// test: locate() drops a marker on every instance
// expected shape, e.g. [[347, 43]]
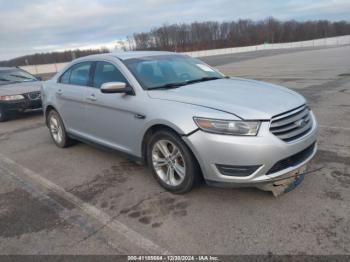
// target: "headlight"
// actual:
[[11, 98], [229, 127]]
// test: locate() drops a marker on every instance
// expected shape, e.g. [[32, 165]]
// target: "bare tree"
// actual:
[[53, 57], [211, 35], [206, 35]]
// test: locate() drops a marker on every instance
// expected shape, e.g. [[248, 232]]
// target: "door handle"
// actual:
[[92, 97], [139, 116]]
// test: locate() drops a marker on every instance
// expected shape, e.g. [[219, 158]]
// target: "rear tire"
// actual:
[[172, 163], [57, 130], [3, 115]]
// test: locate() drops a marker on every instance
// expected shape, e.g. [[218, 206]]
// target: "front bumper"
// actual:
[[263, 150], [24, 104]]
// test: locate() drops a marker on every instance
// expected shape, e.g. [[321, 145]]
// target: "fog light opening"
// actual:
[[237, 171]]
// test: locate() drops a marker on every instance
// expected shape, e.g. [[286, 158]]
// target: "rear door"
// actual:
[[70, 95], [112, 118]]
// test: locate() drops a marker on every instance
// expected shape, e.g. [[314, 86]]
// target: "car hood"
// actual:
[[247, 99], [20, 88]]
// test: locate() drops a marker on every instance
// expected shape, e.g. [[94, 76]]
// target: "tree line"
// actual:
[[212, 35], [52, 57], [204, 35]]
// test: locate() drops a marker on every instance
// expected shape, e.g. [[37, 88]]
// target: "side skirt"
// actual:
[[136, 159]]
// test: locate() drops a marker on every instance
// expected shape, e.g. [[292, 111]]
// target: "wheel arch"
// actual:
[[157, 127], [148, 134]]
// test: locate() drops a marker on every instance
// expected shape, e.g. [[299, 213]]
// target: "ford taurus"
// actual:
[[183, 118]]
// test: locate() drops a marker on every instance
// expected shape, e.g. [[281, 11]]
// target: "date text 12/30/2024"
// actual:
[[173, 258]]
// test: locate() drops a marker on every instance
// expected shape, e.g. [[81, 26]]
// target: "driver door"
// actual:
[[111, 117]]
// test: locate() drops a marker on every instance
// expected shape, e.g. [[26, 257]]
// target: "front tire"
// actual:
[[3, 115], [173, 164], [57, 130]]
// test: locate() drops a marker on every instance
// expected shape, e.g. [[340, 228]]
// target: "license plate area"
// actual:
[[292, 175], [287, 182]]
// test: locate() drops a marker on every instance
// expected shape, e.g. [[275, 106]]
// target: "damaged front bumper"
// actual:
[[285, 183], [262, 161]]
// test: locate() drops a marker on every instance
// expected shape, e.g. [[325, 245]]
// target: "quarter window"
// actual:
[[106, 72]]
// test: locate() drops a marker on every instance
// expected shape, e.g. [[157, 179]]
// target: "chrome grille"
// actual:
[[292, 124], [34, 95]]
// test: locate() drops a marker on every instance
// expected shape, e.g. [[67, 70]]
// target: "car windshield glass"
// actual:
[[15, 76], [170, 71]]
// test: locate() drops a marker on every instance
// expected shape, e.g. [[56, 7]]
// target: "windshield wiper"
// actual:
[[168, 86], [188, 82], [7, 81], [203, 79], [23, 77]]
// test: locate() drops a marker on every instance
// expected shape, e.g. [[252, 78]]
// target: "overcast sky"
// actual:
[[30, 26]]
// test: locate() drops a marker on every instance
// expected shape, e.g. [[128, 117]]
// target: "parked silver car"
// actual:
[[183, 118]]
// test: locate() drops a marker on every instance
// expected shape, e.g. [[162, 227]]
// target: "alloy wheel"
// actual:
[[56, 129], [168, 162]]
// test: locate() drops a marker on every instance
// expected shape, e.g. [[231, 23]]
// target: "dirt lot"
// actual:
[[84, 200]]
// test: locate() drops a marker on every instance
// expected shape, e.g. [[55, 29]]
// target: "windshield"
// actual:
[[15, 76], [167, 71]]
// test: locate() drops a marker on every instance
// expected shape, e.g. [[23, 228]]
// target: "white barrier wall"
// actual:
[[44, 69], [331, 41]]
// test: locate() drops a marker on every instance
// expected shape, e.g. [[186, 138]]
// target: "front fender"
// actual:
[[178, 117]]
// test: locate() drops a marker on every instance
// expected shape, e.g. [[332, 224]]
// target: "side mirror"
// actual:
[[39, 78], [115, 87]]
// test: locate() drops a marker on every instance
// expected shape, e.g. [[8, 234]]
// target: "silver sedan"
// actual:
[[183, 118]]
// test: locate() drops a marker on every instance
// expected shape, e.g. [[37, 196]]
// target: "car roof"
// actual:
[[130, 54]]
